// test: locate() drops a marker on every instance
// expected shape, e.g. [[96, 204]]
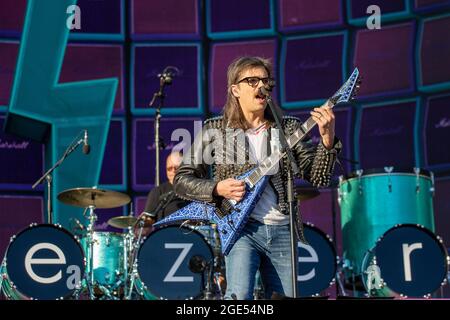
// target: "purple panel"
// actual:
[[88, 62], [104, 215], [223, 54], [22, 161], [437, 131], [238, 15], [359, 7], [385, 60], [8, 57], [434, 50], [296, 14], [310, 72], [144, 148], [151, 60], [100, 16], [164, 17], [12, 15], [113, 166], [441, 205], [318, 211], [17, 213], [386, 136], [343, 130]]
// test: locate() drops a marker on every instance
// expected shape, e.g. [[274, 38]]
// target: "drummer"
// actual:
[[162, 200]]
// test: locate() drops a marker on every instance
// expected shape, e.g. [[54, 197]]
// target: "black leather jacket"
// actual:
[[197, 177]]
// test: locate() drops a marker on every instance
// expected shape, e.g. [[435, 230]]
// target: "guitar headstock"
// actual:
[[348, 91]]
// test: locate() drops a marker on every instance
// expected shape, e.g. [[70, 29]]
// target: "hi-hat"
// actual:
[[98, 198], [306, 193]]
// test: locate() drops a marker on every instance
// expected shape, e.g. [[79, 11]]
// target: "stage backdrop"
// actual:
[[401, 119]]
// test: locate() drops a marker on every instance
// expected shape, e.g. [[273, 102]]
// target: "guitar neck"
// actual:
[[267, 164]]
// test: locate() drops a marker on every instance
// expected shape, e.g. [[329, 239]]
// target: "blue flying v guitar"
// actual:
[[231, 224]]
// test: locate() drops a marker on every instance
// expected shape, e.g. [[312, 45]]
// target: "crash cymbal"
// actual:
[[86, 197], [306, 193], [122, 222]]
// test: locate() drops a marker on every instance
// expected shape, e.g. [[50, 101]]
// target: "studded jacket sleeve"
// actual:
[[192, 181]]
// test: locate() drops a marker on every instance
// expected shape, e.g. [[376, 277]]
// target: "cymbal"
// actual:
[[86, 197], [123, 222], [306, 193]]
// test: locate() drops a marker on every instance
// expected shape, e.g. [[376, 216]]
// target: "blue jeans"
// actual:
[[263, 247]]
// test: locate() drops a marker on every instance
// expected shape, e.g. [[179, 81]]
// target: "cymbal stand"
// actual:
[[2, 275], [134, 272], [90, 254]]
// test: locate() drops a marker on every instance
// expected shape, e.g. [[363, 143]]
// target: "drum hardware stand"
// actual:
[[292, 170], [2, 276], [128, 252], [165, 78], [359, 173], [48, 178]]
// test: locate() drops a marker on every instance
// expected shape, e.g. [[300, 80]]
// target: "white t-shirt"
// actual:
[[266, 210]]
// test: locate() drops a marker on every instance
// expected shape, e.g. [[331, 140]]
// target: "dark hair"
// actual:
[[232, 112]]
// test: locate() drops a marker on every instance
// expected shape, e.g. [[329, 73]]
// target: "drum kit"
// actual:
[[389, 249]]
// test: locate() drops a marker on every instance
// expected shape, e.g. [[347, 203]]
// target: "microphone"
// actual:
[[78, 225], [197, 264], [86, 146]]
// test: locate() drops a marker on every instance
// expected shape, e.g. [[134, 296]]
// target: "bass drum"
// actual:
[[373, 201], [43, 262], [172, 262], [408, 260]]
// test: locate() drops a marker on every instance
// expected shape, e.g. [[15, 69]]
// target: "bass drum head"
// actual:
[[170, 263], [44, 262], [317, 262]]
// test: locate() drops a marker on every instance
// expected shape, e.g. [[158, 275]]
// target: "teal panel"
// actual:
[[67, 108]]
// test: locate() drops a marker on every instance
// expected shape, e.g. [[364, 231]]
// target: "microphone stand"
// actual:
[[291, 170], [47, 176], [164, 79]]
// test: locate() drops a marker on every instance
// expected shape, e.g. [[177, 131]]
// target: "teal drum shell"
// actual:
[[373, 202]]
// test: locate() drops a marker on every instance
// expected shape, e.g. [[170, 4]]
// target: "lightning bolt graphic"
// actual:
[[38, 102]]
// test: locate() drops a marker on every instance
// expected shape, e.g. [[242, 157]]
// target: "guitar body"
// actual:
[[230, 225], [233, 221]]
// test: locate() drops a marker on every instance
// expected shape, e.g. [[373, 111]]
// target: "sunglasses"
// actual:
[[254, 81]]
